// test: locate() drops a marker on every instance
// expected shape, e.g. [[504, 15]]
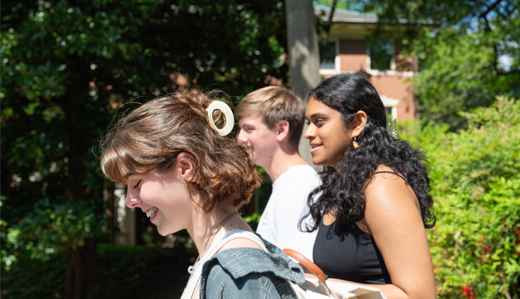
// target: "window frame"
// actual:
[[337, 67], [392, 60], [390, 103], [335, 55]]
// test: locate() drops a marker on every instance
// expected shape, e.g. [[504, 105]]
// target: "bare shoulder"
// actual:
[[393, 216], [389, 188], [240, 243], [390, 201]]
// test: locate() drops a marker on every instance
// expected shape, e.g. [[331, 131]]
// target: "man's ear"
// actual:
[[282, 130], [358, 123], [185, 164]]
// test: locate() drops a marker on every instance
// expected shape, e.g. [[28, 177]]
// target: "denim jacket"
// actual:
[[250, 273]]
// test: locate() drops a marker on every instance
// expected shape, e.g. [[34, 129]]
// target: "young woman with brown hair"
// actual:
[[184, 174]]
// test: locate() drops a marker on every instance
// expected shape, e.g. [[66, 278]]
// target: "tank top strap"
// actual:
[[194, 280], [231, 235], [391, 173]]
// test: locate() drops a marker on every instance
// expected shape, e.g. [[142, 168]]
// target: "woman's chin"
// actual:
[[323, 163], [316, 160], [168, 231], [164, 232]]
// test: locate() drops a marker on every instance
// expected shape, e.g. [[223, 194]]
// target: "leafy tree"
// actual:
[[475, 245], [468, 51], [67, 66]]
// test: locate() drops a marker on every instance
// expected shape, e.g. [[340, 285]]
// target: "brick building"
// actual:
[[349, 51]]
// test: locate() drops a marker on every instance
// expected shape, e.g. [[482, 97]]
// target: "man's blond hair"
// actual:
[[275, 103]]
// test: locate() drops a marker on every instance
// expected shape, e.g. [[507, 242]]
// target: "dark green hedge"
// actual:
[[123, 272]]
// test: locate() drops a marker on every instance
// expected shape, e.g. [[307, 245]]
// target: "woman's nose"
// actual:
[[132, 198], [310, 132]]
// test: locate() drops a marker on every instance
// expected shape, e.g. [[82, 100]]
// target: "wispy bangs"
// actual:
[[114, 164]]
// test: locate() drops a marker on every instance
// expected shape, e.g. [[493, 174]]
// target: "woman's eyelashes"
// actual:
[[317, 122], [137, 185]]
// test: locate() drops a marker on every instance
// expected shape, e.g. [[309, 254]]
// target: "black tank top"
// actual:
[[346, 252]]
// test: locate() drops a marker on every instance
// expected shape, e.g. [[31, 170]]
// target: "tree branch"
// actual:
[[488, 29], [332, 9], [326, 29], [490, 8], [513, 72]]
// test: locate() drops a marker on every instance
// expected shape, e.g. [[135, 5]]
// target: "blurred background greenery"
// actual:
[[69, 66]]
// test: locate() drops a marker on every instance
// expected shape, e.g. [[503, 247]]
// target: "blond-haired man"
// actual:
[[271, 123]]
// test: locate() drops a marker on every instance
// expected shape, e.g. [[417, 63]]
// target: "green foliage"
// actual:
[[68, 65], [123, 272], [341, 4], [253, 220], [35, 278], [54, 227], [461, 47], [7, 258], [457, 74], [134, 272], [474, 174]]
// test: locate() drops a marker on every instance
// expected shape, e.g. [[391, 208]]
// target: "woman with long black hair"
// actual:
[[373, 205]]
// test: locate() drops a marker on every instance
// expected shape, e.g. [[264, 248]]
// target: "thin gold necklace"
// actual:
[[215, 230]]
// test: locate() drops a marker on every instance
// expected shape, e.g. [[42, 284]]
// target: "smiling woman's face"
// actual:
[[163, 197], [327, 133]]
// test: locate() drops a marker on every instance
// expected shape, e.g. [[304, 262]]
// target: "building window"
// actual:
[[390, 107], [389, 116], [328, 56], [381, 55]]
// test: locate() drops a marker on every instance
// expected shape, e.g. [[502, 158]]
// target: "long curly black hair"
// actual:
[[343, 189]]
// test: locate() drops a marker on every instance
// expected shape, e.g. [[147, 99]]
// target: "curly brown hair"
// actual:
[[152, 136]]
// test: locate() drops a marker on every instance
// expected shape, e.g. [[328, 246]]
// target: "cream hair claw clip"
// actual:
[[228, 127]]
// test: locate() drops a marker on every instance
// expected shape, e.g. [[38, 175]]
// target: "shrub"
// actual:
[[124, 272], [474, 174], [34, 278]]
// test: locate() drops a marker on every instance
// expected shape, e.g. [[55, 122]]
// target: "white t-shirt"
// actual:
[[286, 206]]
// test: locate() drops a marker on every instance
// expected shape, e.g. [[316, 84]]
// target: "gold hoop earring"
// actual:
[[354, 142]]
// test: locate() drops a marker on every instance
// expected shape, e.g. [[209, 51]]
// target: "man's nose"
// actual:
[[242, 136]]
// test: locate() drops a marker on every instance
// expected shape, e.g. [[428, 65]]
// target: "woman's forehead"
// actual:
[[316, 108]]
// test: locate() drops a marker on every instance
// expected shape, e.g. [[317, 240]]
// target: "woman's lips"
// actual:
[[315, 147], [152, 213]]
